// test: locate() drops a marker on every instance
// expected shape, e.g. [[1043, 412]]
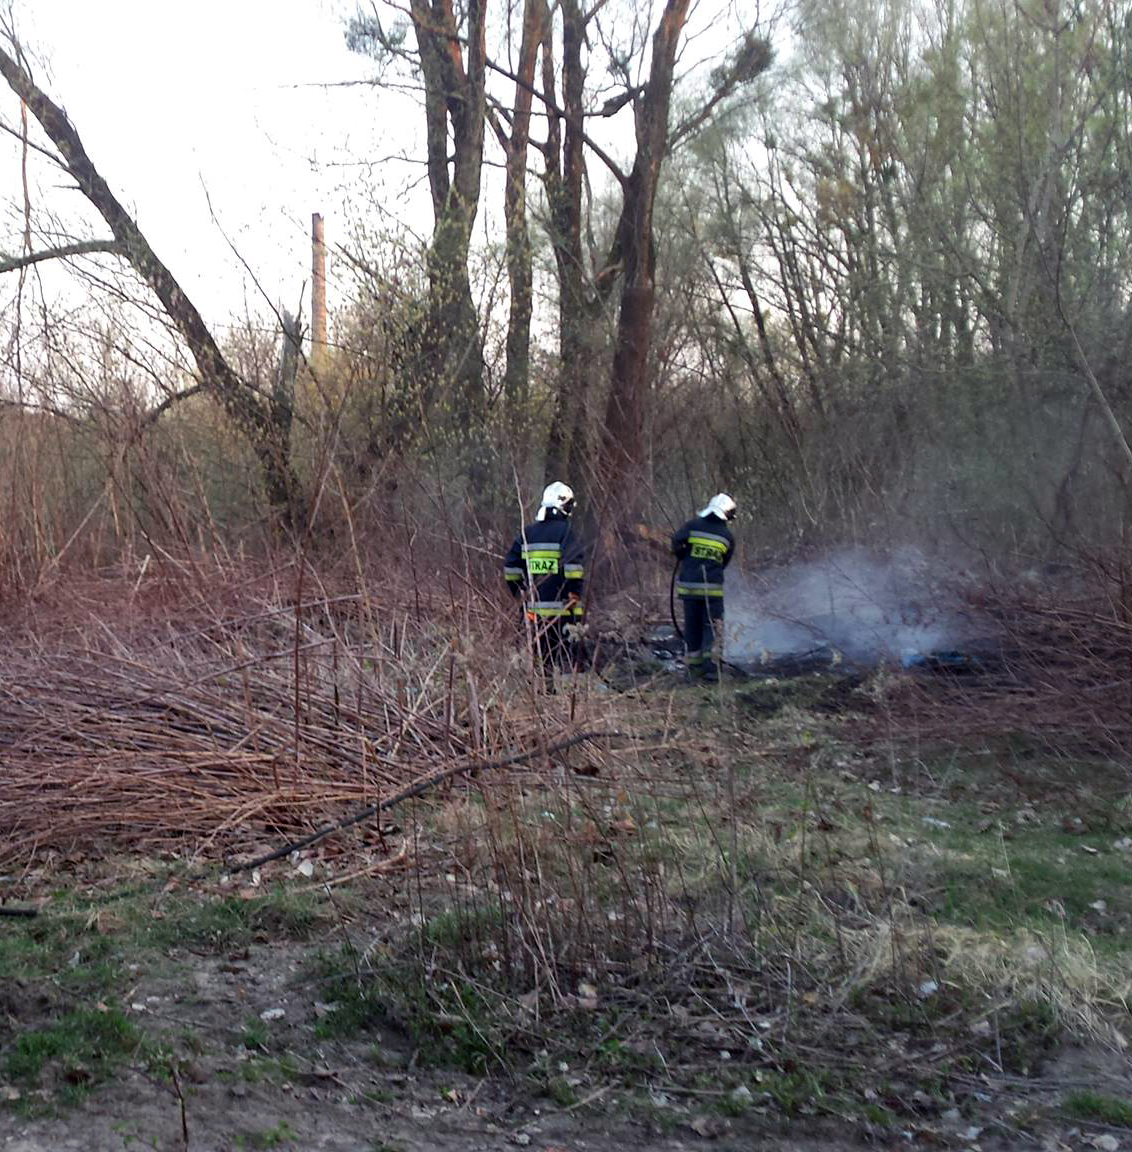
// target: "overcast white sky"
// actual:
[[171, 98]]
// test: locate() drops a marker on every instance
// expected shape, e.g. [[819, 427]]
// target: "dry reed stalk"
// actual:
[[158, 715]]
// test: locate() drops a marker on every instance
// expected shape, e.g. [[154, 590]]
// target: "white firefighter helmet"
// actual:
[[720, 505], [556, 496]]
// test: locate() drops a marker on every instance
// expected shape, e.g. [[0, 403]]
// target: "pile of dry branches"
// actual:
[[206, 722], [1060, 672]]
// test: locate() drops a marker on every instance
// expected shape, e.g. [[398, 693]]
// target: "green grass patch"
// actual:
[[456, 927], [255, 1035], [77, 1051], [225, 924], [561, 1091], [357, 1007], [57, 953], [1016, 768], [451, 1023], [1029, 1030], [59, 971], [1038, 878], [268, 1070], [274, 1137], [1098, 1107], [77, 946]]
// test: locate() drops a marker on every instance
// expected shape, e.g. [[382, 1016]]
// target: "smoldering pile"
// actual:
[[850, 608]]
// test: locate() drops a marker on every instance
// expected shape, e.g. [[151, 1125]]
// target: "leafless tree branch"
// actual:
[[80, 248]]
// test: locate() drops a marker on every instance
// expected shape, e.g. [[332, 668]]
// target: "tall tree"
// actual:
[[564, 176], [515, 144], [455, 106], [451, 58], [256, 419], [622, 452]]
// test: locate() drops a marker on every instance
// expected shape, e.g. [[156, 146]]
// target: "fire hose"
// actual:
[[672, 601]]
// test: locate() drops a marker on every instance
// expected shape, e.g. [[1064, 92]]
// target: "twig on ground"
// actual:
[[418, 789]]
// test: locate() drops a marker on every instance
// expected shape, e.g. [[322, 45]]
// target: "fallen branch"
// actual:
[[422, 785]]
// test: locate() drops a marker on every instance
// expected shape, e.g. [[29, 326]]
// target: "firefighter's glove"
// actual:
[[574, 633]]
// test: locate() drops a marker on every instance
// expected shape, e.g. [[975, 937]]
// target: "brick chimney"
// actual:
[[318, 292]]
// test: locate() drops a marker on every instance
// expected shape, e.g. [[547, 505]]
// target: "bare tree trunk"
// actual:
[[283, 393], [251, 417], [516, 378], [454, 93], [577, 307], [622, 458], [563, 177]]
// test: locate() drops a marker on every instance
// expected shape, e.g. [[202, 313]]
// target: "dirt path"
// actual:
[[260, 1079], [320, 1114]]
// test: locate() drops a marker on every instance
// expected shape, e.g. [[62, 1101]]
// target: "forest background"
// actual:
[[865, 266]]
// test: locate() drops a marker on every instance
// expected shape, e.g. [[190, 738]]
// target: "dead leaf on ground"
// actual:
[[707, 1126]]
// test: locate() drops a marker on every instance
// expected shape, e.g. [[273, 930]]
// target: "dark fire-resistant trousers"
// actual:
[[703, 636], [555, 648]]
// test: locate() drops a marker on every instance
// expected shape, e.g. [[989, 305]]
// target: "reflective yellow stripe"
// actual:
[[542, 561], [698, 590], [555, 608]]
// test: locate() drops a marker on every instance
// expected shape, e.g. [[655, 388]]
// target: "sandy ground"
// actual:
[[135, 1115], [339, 1096]]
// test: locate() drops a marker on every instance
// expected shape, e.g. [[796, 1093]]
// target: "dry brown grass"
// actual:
[[203, 705]]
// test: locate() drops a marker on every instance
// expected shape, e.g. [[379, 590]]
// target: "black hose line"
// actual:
[[672, 601]]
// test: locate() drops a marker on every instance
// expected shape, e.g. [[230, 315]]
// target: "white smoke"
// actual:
[[866, 606]]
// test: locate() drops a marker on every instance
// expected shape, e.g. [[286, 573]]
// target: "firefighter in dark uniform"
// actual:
[[546, 568], [704, 546]]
